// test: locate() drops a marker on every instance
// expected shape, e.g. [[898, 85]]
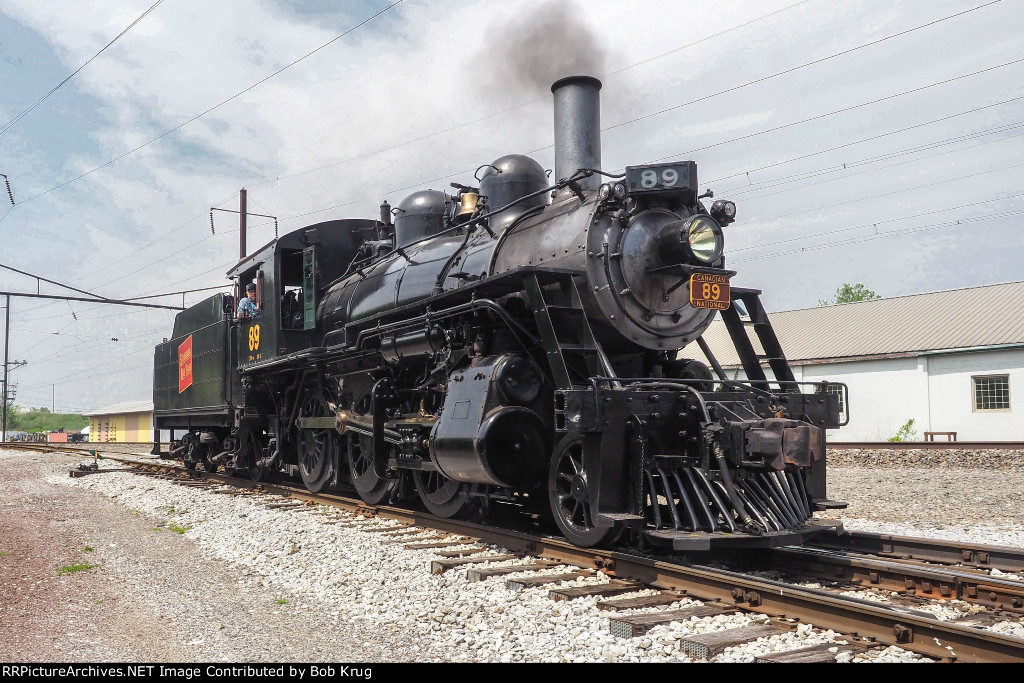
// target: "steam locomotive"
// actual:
[[517, 345]]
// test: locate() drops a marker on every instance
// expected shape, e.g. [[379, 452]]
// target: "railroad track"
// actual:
[[926, 445], [910, 574]]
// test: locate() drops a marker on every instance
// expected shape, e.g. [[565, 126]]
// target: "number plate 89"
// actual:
[[710, 291]]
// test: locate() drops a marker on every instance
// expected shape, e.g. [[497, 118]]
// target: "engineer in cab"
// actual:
[[247, 306]]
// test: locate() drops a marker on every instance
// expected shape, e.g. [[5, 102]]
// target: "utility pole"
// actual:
[[7, 344], [6, 394], [241, 224]]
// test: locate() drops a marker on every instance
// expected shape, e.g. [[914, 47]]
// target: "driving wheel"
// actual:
[[317, 448], [371, 488], [255, 470], [442, 496]]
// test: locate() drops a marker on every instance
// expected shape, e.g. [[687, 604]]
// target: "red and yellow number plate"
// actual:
[[709, 291]]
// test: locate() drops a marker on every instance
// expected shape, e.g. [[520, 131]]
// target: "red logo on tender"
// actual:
[[185, 365]]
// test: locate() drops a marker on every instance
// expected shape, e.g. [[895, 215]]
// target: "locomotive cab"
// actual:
[[291, 274]]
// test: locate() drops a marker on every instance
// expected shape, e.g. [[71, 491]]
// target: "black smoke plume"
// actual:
[[535, 50]]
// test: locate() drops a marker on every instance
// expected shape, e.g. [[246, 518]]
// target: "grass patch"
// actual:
[[4, 554], [87, 549], [177, 528], [73, 568], [168, 509], [282, 601]]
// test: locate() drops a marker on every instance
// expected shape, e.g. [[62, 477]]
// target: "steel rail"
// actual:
[[924, 445], [1001, 557], [902, 576]]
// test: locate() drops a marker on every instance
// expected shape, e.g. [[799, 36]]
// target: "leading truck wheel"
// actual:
[[569, 496], [317, 447]]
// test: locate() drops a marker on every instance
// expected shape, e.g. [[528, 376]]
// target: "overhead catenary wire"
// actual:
[[882, 235], [874, 223], [770, 188], [10, 124], [213, 108], [875, 196]]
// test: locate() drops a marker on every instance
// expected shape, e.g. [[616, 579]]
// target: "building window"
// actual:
[[837, 391], [991, 392]]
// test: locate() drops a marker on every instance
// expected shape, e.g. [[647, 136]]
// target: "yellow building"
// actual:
[[122, 423]]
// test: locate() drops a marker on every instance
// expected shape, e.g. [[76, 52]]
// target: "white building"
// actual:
[[952, 361]]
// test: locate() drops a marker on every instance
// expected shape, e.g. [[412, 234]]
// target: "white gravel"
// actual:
[[330, 583]]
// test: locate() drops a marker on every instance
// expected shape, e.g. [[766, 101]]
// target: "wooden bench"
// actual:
[[930, 436]]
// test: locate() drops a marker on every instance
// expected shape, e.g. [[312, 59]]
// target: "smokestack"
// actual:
[[577, 127]]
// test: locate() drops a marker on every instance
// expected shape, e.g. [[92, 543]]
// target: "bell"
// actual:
[[467, 206]]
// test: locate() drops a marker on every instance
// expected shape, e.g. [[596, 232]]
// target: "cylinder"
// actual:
[[577, 127]]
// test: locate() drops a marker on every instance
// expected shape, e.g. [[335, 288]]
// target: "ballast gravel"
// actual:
[[117, 567]]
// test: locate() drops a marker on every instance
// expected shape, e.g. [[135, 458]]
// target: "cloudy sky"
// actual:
[[874, 141]]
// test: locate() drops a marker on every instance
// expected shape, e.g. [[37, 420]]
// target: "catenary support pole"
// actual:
[[7, 344], [241, 225]]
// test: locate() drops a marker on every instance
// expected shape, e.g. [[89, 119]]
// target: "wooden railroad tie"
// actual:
[[707, 645], [485, 573], [525, 582], [384, 530], [824, 653], [665, 598], [439, 544], [404, 539], [612, 588], [441, 566], [462, 552], [406, 531], [633, 625]]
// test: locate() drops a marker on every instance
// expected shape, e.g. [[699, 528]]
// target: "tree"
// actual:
[[848, 293], [42, 420]]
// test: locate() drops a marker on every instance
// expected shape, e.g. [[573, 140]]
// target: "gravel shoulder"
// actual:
[[151, 594], [954, 494]]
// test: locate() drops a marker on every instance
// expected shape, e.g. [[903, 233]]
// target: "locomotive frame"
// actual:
[[489, 350]]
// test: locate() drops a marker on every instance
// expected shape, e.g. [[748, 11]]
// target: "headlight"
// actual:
[[696, 240], [604, 192], [705, 239], [619, 190], [723, 211]]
